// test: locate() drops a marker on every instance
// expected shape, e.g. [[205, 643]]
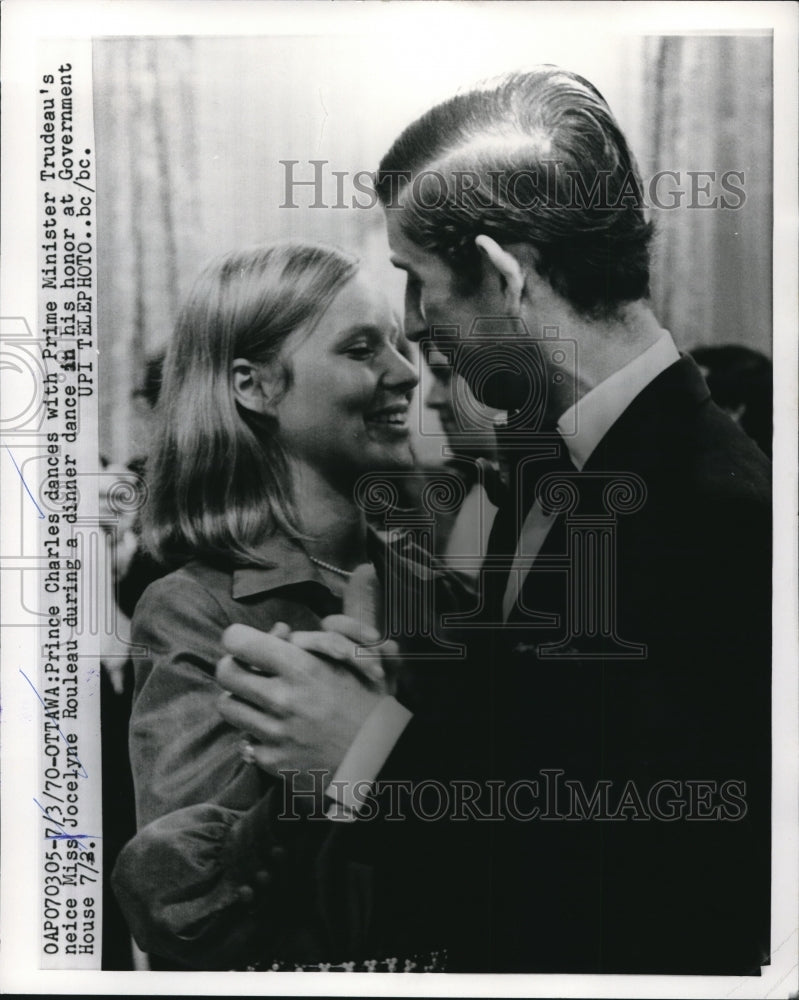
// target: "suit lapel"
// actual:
[[640, 444]]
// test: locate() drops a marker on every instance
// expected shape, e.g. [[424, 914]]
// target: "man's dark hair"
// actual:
[[534, 158]]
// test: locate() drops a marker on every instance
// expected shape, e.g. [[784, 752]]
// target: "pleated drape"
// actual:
[[707, 108]]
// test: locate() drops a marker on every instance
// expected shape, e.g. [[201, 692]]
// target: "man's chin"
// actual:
[[502, 390]]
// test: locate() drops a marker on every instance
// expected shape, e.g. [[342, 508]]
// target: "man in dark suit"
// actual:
[[613, 723]]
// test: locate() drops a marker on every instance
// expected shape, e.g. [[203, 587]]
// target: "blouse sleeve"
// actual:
[[214, 888], [197, 882], [218, 875], [182, 752]]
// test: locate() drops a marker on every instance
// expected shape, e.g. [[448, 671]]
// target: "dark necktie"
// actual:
[[526, 472]]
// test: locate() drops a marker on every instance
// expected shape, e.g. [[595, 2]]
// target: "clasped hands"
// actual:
[[302, 697]]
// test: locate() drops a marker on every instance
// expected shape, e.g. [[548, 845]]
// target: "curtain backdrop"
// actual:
[[707, 104], [190, 132]]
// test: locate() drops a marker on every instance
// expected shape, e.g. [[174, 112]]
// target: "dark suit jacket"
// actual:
[[671, 873], [668, 872]]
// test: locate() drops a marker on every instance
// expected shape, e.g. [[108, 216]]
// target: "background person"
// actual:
[[740, 381]]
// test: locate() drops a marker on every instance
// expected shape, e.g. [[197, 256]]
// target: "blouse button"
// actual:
[[262, 879], [245, 894]]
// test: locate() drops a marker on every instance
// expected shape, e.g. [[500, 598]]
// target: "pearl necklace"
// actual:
[[329, 566]]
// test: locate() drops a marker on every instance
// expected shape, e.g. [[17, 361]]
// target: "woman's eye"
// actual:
[[360, 352]]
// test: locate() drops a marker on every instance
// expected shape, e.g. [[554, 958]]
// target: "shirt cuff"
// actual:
[[366, 756]]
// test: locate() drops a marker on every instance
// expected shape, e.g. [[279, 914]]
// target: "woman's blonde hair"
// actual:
[[218, 477]]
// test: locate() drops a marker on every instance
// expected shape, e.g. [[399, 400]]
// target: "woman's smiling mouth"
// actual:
[[393, 417]]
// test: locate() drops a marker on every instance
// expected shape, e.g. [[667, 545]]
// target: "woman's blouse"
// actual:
[[224, 873]]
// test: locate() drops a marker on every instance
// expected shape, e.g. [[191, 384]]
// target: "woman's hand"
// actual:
[[354, 638], [303, 710]]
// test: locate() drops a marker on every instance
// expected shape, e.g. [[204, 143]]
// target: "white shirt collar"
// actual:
[[592, 416]]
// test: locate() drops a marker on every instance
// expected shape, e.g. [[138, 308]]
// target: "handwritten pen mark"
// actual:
[[82, 772], [22, 478], [66, 835]]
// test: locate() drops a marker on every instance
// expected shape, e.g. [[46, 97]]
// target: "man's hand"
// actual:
[[303, 711], [357, 645]]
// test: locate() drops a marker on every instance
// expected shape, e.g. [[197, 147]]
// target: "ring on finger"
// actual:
[[247, 750]]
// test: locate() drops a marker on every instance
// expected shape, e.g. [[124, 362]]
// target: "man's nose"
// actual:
[[415, 325], [400, 372], [438, 396]]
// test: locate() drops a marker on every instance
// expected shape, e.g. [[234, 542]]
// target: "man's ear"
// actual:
[[508, 269], [249, 388]]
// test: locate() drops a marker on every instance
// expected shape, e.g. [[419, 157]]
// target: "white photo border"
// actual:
[[26, 23]]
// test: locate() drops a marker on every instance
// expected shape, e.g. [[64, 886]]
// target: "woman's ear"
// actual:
[[250, 389], [507, 268]]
